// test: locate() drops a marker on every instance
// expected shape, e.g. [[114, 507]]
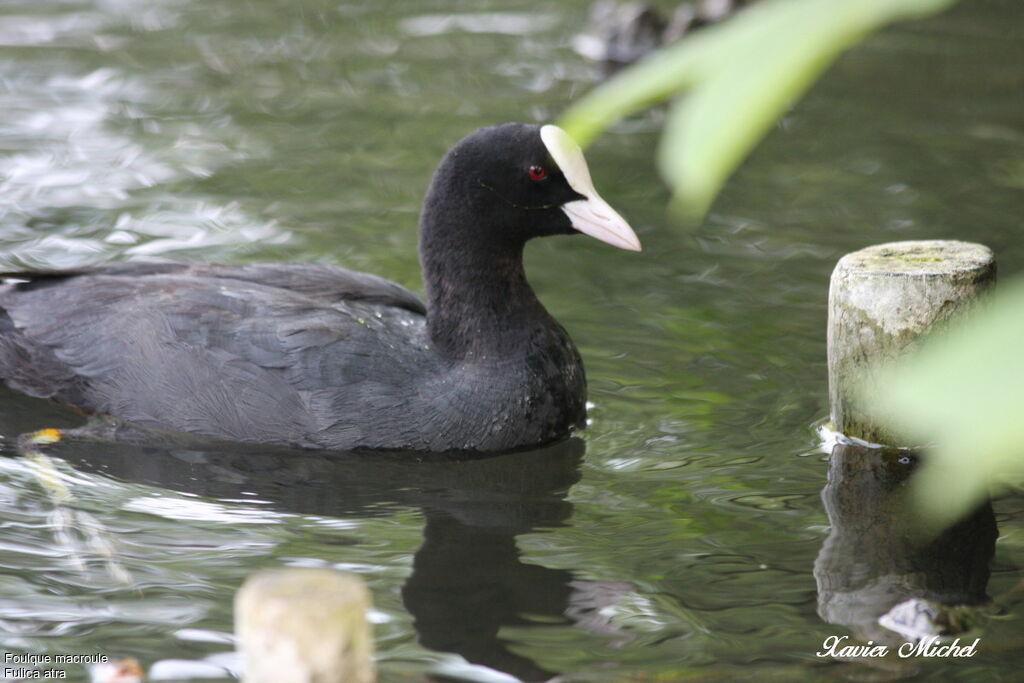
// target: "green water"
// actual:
[[678, 537]]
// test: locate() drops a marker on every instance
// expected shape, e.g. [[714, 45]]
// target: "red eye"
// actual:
[[538, 172]]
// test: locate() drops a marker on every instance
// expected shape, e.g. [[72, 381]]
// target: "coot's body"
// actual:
[[259, 353], [324, 357]]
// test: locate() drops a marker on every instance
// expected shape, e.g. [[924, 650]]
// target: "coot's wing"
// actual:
[[213, 355], [317, 280]]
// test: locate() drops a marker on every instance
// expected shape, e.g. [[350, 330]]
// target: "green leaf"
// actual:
[[742, 74], [964, 393]]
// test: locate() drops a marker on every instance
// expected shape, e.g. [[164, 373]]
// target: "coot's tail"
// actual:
[[33, 368]]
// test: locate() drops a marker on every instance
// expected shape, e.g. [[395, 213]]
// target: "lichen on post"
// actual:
[[882, 300], [304, 625]]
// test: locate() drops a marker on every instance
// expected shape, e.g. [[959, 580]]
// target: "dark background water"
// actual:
[[677, 538]]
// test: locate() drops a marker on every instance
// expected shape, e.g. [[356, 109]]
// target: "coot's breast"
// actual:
[[530, 391]]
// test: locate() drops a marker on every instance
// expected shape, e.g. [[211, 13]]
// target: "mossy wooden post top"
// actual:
[[304, 625], [922, 258], [882, 299]]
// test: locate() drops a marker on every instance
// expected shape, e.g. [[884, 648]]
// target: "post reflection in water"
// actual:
[[468, 580], [875, 556]]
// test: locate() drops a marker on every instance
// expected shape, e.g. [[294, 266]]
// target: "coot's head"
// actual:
[[505, 184]]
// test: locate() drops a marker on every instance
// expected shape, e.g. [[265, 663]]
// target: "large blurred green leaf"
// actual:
[[742, 75], [964, 393]]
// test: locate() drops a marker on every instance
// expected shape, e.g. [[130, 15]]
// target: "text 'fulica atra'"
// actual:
[[323, 357]]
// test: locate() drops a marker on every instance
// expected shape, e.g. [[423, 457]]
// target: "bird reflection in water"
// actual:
[[468, 580]]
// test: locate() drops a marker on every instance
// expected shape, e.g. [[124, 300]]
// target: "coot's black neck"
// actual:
[[480, 304]]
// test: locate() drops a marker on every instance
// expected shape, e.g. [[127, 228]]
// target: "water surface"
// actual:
[[685, 534]]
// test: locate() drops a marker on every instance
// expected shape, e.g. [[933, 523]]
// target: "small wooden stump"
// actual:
[[298, 625], [882, 299]]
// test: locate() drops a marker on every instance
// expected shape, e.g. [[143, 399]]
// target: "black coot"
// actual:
[[323, 357]]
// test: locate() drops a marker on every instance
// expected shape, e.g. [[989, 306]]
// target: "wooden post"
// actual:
[[299, 625], [882, 299]]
